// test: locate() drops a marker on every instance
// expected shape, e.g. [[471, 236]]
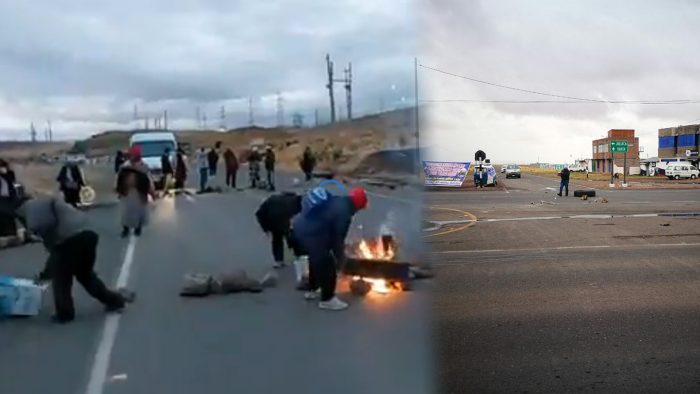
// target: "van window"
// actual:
[[693, 168], [685, 168], [154, 148]]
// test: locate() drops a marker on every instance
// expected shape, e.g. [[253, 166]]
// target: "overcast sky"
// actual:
[[84, 64], [621, 50]]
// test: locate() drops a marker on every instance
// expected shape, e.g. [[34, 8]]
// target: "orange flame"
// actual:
[[375, 250]]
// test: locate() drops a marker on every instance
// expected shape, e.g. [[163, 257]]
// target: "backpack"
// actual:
[[315, 200]]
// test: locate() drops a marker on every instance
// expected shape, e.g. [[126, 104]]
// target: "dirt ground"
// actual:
[[599, 181]]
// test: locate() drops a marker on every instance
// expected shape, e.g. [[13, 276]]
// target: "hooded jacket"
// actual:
[[326, 230], [52, 220], [70, 177], [231, 160], [276, 212]]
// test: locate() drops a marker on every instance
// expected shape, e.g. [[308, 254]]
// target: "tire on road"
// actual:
[[581, 193]]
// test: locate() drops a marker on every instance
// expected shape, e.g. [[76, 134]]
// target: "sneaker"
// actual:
[[125, 232], [62, 319], [116, 307], [278, 265], [137, 232], [311, 295], [334, 304], [559, 194]]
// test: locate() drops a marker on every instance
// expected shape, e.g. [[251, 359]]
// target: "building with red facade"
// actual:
[[603, 160]]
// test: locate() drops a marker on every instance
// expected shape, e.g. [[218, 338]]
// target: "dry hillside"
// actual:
[[340, 146]]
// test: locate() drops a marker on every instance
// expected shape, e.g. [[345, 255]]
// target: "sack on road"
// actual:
[[197, 285], [202, 285]]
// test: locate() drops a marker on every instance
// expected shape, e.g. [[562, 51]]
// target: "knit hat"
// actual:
[[358, 196]]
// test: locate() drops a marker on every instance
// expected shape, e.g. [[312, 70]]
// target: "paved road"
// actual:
[[269, 342], [553, 303]]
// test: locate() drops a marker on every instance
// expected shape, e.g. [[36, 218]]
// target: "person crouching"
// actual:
[[72, 248], [274, 216], [134, 185], [321, 228]]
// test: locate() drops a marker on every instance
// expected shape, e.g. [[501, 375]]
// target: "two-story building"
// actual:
[[603, 160]]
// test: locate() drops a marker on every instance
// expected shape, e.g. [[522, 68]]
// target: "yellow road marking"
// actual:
[[454, 230]]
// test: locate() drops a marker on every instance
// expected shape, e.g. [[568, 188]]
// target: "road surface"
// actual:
[[536, 293], [245, 343]]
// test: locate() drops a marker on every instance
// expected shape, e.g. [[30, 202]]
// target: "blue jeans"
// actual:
[[562, 185], [203, 178]]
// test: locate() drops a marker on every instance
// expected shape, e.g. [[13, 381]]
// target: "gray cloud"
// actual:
[[595, 49], [85, 64]]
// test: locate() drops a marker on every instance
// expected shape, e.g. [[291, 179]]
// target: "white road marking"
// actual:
[[98, 374], [556, 248]]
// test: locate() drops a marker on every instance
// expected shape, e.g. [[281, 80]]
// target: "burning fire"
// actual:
[[379, 249], [376, 250]]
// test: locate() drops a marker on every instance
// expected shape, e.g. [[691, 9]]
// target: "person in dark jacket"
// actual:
[[308, 162], [180, 169], [119, 159], [166, 165], [254, 159], [565, 173], [270, 167], [321, 232], [213, 159], [231, 162], [70, 180], [274, 216], [72, 248], [8, 196]]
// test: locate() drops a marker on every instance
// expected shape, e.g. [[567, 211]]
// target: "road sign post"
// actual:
[[618, 146]]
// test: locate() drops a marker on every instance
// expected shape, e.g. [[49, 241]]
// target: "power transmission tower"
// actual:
[[50, 131], [222, 124], [136, 111], [316, 117], [32, 132], [204, 120], [251, 119], [165, 119], [329, 86], [280, 110], [199, 117]]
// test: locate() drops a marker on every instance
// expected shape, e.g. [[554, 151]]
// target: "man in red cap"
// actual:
[[134, 185], [321, 229]]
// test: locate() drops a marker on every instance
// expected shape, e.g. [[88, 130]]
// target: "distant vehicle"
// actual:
[[76, 158], [683, 171], [153, 145], [503, 169], [512, 171], [577, 168]]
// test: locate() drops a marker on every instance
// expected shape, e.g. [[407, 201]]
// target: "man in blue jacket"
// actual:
[[321, 229]]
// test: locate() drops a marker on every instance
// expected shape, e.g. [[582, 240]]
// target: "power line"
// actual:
[[681, 101], [551, 102]]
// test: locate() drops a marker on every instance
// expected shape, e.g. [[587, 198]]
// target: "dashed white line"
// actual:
[[98, 374]]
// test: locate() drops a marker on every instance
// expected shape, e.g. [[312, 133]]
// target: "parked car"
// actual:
[[512, 171], [503, 169], [682, 171], [577, 168]]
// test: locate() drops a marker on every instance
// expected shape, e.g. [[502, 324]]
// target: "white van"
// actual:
[[681, 170], [153, 145]]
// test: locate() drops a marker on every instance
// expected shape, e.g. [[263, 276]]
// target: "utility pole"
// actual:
[[316, 117], [251, 119], [348, 89], [145, 119], [165, 119], [417, 119], [222, 115], [50, 131], [32, 132], [280, 110], [204, 120], [136, 112], [329, 86]]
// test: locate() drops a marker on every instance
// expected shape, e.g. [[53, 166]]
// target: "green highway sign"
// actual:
[[618, 146]]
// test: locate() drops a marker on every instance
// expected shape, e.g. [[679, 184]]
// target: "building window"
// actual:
[[595, 149]]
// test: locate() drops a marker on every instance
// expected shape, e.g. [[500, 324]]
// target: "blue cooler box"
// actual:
[[20, 297]]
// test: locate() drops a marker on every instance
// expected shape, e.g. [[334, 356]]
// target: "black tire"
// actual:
[[692, 176], [677, 177], [581, 193]]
